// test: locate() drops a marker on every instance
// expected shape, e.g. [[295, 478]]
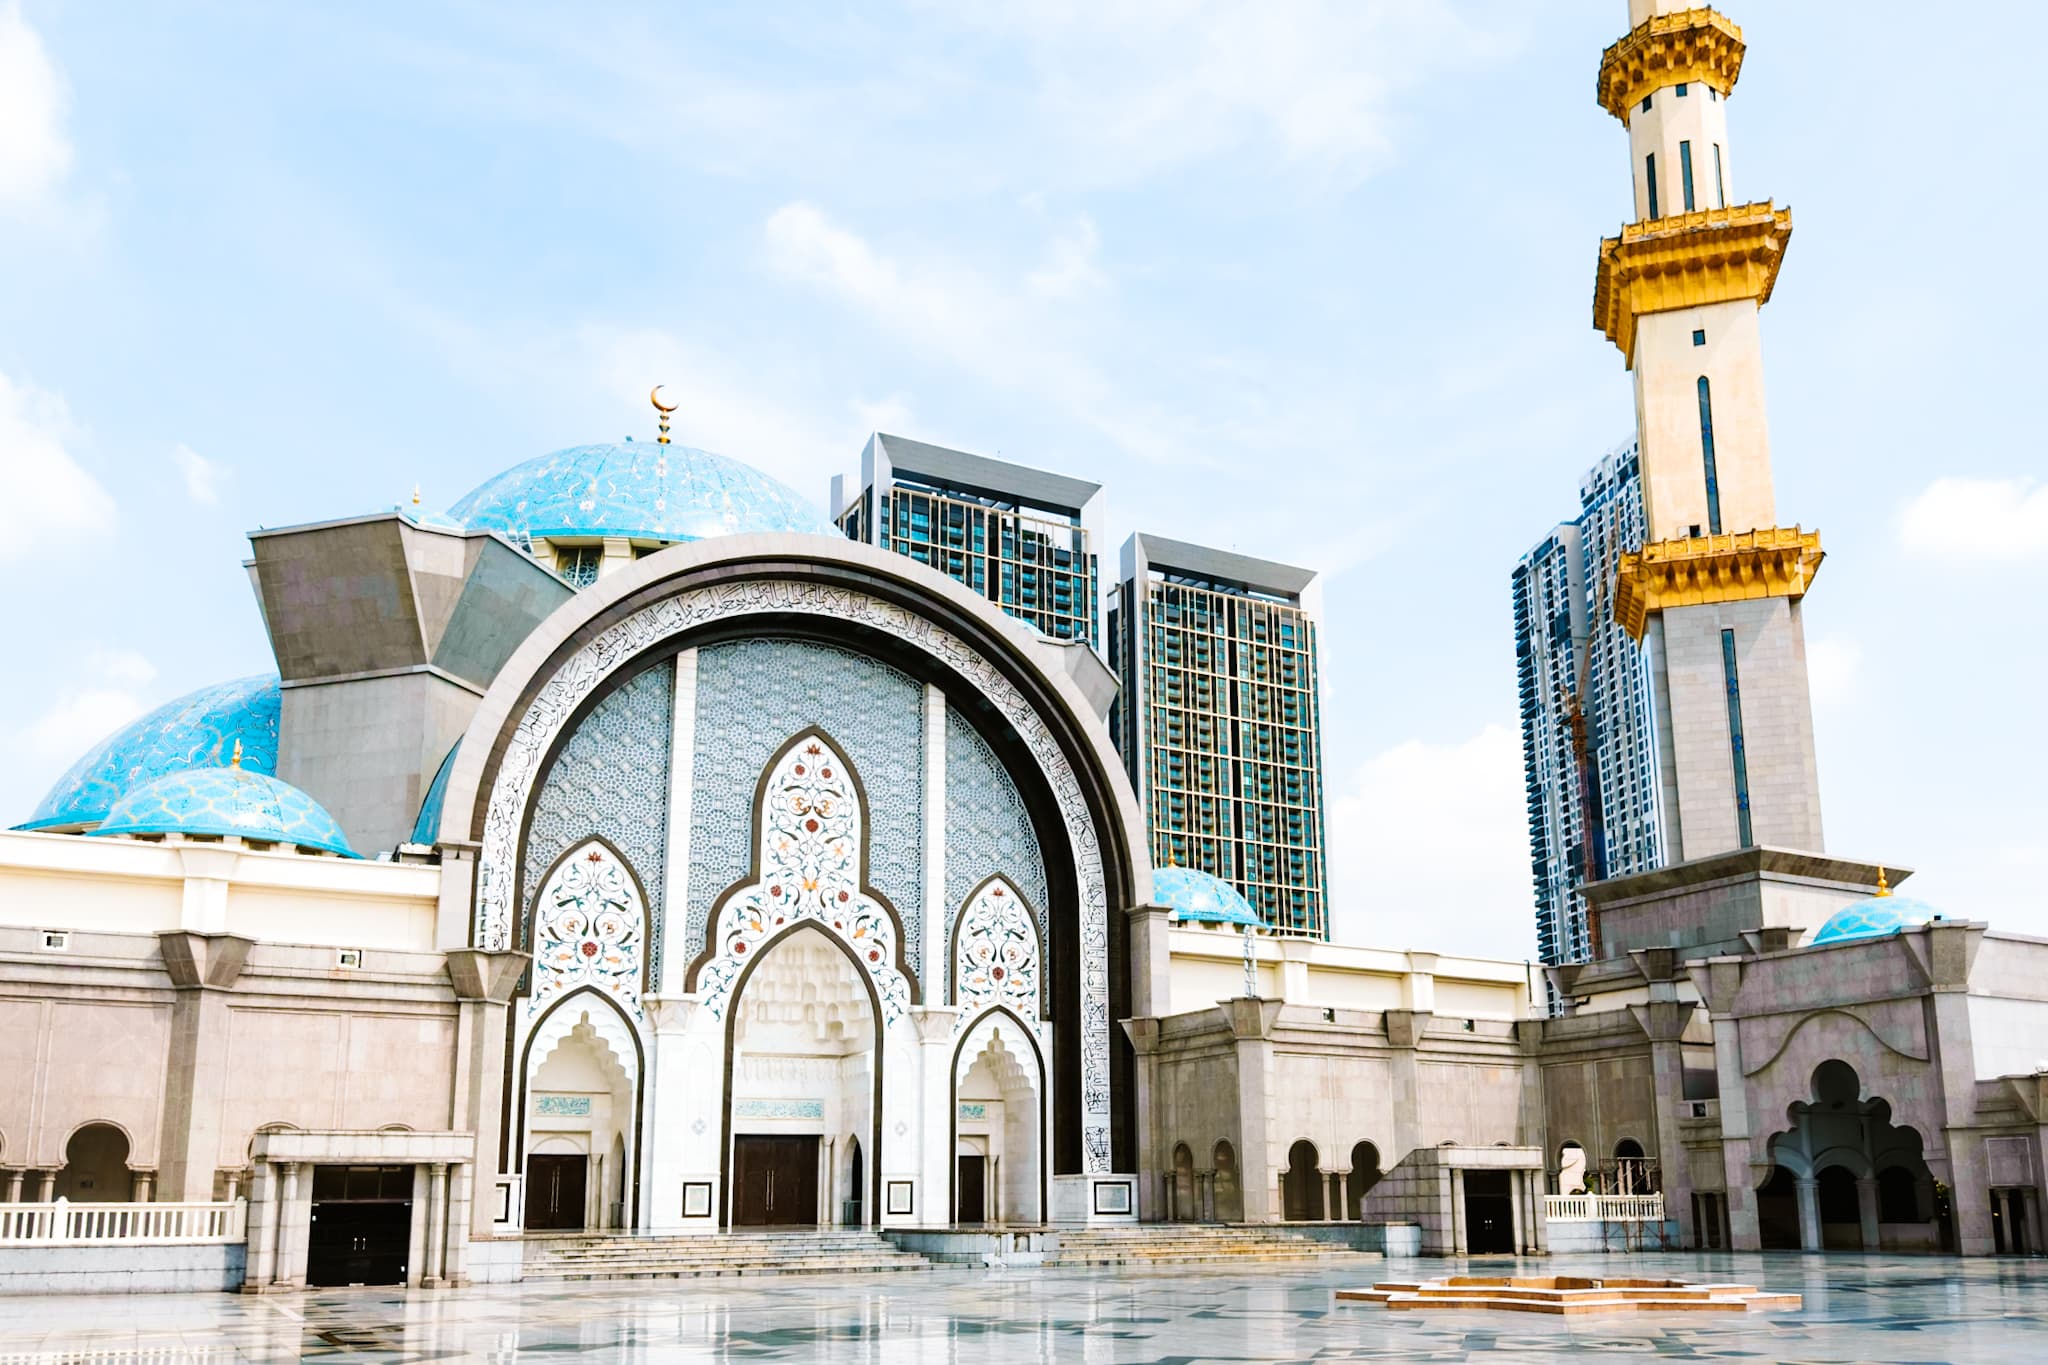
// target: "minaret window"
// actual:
[[1650, 175], [1681, 89], [1720, 184], [1699, 336], [1707, 458], [1646, 104], [1685, 170], [1735, 748]]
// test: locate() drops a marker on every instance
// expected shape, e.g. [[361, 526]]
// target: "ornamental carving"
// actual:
[[812, 848], [996, 958], [589, 929], [603, 654]]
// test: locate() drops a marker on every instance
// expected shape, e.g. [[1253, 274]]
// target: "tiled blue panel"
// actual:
[[752, 697], [611, 778], [1875, 916], [636, 488], [987, 828], [198, 730], [228, 801], [1196, 896]]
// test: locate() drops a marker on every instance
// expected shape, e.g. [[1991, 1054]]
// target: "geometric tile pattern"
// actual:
[[812, 842], [752, 695], [589, 931], [226, 801], [1196, 897], [197, 730], [1873, 917], [988, 831], [611, 778], [635, 488]]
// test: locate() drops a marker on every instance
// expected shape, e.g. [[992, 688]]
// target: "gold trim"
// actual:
[[1691, 45], [1775, 561], [1687, 260]]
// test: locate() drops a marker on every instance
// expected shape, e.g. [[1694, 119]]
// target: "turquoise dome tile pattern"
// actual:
[[1872, 918], [640, 489], [226, 801], [1198, 898], [426, 827], [198, 730]]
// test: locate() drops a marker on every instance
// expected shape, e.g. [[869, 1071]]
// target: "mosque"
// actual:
[[630, 851]]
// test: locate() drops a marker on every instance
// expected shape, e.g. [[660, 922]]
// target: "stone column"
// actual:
[[1404, 1031], [1809, 1212], [1866, 1211], [462, 1188], [1517, 1185], [1664, 1021], [1258, 1170], [140, 1184], [437, 1224], [287, 1231], [46, 1186], [1950, 948], [261, 1265], [14, 1186], [204, 968], [1719, 980], [1459, 1243], [483, 983]]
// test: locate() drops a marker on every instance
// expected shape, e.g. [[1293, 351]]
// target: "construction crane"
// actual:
[[1592, 820]]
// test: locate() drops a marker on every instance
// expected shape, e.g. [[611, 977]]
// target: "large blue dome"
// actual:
[[198, 730], [1197, 897], [226, 801], [640, 489], [1874, 917]]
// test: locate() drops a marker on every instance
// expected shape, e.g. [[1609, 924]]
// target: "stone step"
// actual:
[[715, 1269]]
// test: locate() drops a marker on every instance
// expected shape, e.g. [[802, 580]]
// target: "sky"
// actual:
[[1308, 281]]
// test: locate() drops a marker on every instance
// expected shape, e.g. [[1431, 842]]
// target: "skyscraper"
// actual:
[[1021, 537], [1715, 592], [1219, 720], [1589, 739]]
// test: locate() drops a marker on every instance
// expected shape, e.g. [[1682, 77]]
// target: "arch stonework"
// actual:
[[665, 600]]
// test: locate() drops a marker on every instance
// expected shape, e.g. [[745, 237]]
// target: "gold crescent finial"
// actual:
[[654, 397], [1884, 886], [415, 495], [236, 761]]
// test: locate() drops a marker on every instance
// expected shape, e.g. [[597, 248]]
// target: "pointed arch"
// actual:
[[985, 1024], [588, 927], [810, 864], [998, 950], [615, 1029]]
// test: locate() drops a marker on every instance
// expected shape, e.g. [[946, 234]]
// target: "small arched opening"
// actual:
[[1365, 1173], [1229, 1190], [1632, 1174], [1301, 1187], [1182, 1193], [1571, 1169], [96, 1166]]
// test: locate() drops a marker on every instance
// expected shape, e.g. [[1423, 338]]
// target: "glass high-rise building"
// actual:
[[1599, 815], [1219, 720], [1023, 538]]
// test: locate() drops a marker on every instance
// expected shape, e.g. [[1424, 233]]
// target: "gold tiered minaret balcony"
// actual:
[[1715, 592]]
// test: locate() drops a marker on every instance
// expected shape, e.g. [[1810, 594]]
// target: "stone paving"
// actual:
[[1856, 1309]]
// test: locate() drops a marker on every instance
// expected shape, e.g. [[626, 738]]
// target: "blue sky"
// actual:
[[1309, 281]]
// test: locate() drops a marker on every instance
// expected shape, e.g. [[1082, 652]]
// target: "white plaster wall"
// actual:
[[1668, 367], [2008, 1037], [1700, 117]]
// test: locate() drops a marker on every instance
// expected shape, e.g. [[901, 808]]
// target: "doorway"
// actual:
[[555, 1186], [362, 1225], [1489, 1213], [774, 1181], [973, 1188]]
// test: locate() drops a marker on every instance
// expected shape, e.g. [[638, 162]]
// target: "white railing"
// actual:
[[64, 1223], [1604, 1208]]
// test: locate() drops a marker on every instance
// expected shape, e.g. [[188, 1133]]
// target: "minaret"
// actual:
[[1715, 593]]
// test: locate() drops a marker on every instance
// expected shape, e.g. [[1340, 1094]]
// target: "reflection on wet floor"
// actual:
[[1857, 1309]]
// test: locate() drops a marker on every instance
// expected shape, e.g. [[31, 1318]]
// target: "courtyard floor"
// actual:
[[1857, 1309]]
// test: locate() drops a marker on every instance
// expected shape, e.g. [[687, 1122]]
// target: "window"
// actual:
[[1681, 89], [1685, 170], [1707, 458], [1712, 93], [1720, 184], [578, 563], [1646, 104], [1735, 749], [1699, 336], [1650, 178]]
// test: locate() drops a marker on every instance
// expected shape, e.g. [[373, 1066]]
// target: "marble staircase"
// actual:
[[809, 1251], [1194, 1244]]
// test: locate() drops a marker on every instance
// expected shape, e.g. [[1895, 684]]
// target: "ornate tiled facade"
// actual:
[[611, 778], [997, 959], [589, 929], [752, 695], [988, 831]]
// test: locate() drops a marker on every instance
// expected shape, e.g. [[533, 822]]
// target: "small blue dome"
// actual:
[[1873, 918], [198, 730], [226, 801], [426, 826], [1197, 897], [640, 489]]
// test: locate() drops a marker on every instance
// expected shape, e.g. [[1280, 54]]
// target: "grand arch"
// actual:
[[831, 589]]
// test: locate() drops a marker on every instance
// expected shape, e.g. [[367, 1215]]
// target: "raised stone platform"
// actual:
[[1569, 1295]]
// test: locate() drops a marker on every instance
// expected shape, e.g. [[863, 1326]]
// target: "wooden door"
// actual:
[[972, 1189], [775, 1181], [554, 1191]]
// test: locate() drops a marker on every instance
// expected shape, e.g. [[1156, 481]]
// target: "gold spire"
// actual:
[[236, 761], [1884, 886], [654, 397], [415, 495]]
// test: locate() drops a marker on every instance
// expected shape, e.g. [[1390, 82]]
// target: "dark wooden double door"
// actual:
[[555, 1188], [362, 1225], [774, 1181]]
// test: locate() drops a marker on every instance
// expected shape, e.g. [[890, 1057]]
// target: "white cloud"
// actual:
[[1979, 519], [108, 694], [1831, 668], [202, 476], [40, 474], [1429, 848], [34, 151]]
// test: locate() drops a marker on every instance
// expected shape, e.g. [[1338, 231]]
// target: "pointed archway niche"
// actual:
[[582, 1117], [999, 1125]]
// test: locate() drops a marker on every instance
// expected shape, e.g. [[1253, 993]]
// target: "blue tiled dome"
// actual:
[[1198, 898], [198, 730], [1874, 917], [640, 489], [426, 826], [226, 801]]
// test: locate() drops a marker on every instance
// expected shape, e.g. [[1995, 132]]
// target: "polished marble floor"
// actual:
[[1857, 1309]]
